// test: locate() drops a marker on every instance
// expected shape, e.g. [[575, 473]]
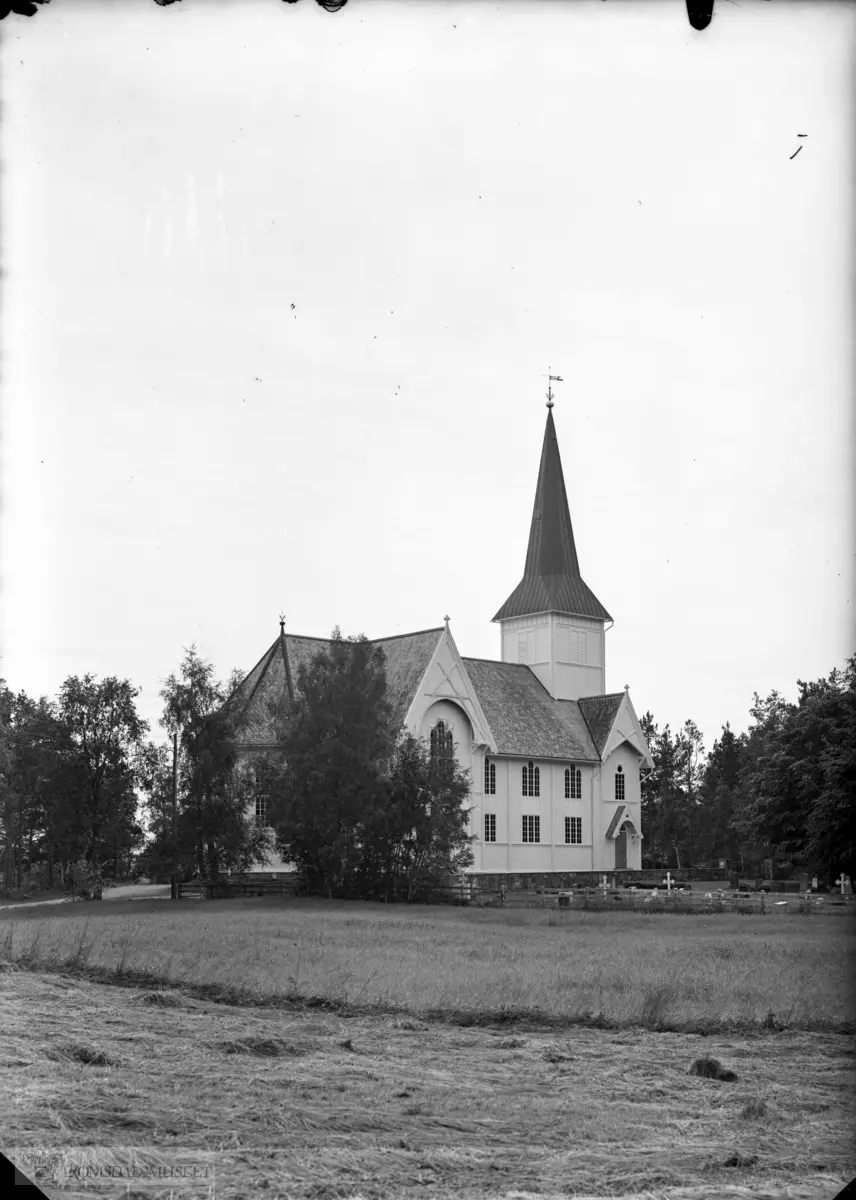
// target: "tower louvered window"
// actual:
[[573, 784], [442, 742], [489, 778], [531, 779], [619, 783]]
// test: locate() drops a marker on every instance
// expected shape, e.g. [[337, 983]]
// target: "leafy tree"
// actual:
[[97, 734], [215, 834], [154, 775], [417, 832], [335, 744]]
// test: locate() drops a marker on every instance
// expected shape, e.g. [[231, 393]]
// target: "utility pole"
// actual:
[[173, 888]]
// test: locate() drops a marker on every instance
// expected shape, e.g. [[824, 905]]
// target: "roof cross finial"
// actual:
[[447, 618], [552, 379]]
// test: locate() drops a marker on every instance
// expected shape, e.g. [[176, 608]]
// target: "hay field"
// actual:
[[312, 1105], [699, 974]]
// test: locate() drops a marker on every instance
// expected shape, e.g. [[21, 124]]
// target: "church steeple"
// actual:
[[551, 578], [553, 621]]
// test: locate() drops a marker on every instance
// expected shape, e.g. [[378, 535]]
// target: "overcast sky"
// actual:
[[281, 287]]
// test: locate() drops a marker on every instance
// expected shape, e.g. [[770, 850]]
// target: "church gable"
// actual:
[[446, 679], [626, 730]]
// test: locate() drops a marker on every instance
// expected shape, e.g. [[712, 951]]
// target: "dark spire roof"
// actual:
[[551, 579]]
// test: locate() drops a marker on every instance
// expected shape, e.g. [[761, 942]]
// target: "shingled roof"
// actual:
[[600, 713], [551, 578], [274, 680], [524, 718]]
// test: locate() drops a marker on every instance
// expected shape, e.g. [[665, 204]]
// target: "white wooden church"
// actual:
[[555, 760]]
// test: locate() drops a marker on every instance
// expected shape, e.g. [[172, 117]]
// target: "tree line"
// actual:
[[87, 795], [784, 791]]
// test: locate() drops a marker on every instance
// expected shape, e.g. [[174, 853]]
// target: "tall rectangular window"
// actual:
[[261, 811], [530, 777], [619, 784], [573, 831], [573, 784], [490, 827], [531, 828], [489, 778]]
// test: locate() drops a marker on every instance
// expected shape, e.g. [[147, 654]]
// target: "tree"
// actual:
[[8, 796], [154, 775], [417, 832], [799, 773], [720, 786], [215, 834], [97, 731], [665, 820], [335, 744]]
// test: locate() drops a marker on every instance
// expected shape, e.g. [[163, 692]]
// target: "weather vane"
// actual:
[[552, 379], [282, 622]]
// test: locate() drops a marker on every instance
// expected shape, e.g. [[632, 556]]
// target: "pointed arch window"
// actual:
[[442, 741], [489, 778], [573, 783], [262, 811], [619, 783], [531, 779]]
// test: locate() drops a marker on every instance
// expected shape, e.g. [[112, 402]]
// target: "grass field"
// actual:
[[453, 1053], [620, 969]]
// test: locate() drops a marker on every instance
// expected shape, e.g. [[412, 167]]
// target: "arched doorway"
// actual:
[[621, 848]]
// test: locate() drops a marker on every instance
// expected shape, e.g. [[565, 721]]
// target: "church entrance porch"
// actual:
[[621, 849]]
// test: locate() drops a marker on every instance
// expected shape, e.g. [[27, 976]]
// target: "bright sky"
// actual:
[[281, 286]]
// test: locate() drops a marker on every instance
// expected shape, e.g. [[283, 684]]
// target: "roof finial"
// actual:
[[627, 689], [552, 379], [447, 619], [282, 622]]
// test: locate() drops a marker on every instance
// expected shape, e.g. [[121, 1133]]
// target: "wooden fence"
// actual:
[[586, 899]]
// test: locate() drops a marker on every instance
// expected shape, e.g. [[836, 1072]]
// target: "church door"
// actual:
[[621, 850]]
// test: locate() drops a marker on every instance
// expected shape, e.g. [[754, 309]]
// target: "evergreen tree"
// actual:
[[665, 818], [335, 745], [720, 786], [797, 781], [417, 832]]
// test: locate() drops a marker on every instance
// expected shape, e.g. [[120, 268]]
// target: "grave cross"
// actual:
[[668, 881], [604, 883], [842, 881]]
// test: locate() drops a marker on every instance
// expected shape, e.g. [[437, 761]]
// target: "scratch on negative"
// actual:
[[796, 152]]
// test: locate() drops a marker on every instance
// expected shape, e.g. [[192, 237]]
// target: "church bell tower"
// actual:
[[552, 620]]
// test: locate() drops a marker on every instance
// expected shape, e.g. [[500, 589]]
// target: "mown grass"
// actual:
[[610, 969], [310, 1105]]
